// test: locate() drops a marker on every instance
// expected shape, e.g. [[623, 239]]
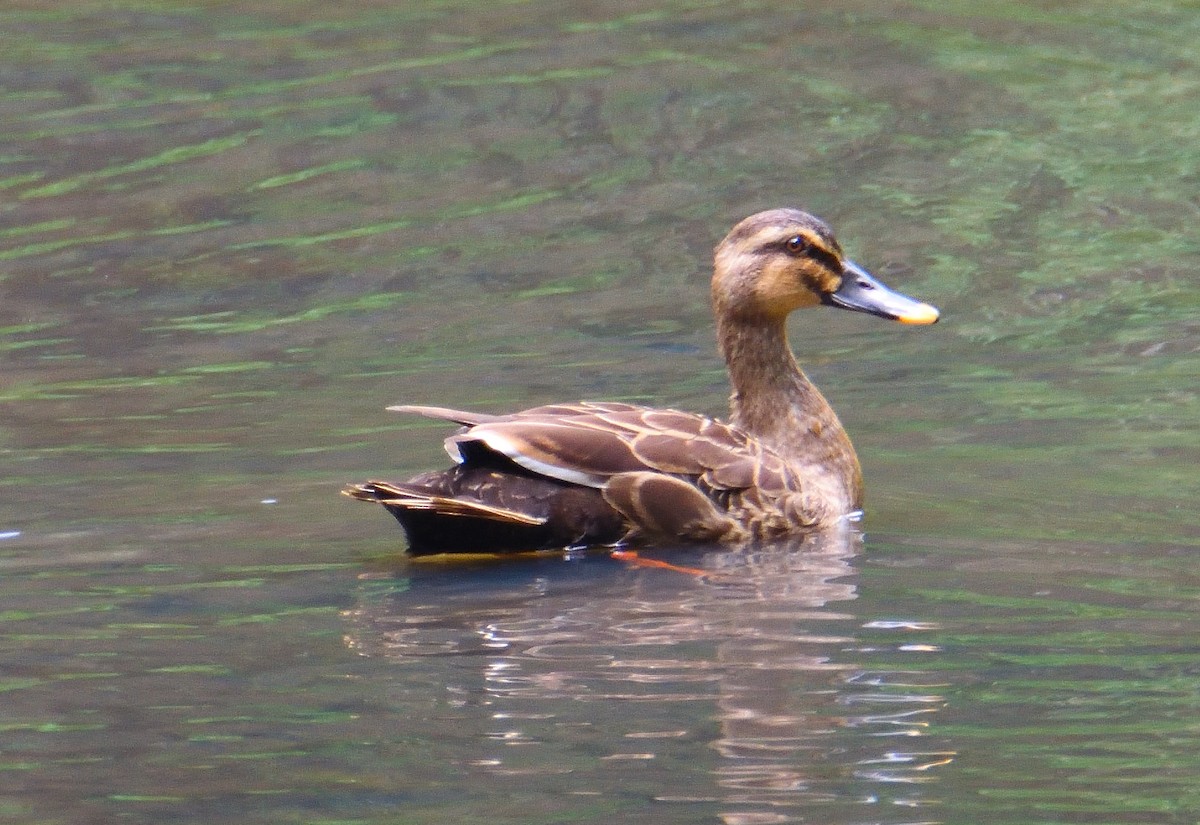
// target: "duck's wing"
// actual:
[[666, 473], [669, 473], [590, 443]]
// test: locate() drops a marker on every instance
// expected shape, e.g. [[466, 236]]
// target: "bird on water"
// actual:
[[608, 473]]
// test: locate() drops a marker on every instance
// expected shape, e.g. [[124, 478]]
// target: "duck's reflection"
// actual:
[[735, 680]]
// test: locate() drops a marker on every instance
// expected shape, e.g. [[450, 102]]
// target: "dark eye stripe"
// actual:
[[817, 253], [831, 261]]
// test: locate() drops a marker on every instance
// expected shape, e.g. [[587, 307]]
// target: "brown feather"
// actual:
[[662, 506], [467, 419], [566, 446], [410, 498]]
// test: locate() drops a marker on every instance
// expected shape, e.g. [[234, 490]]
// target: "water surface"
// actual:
[[231, 234]]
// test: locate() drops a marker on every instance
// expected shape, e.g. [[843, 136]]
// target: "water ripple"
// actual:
[[576, 660]]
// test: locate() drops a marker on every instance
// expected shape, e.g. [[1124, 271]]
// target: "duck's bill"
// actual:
[[861, 292]]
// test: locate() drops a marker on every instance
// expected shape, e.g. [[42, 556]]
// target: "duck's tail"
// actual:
[[461, 521]]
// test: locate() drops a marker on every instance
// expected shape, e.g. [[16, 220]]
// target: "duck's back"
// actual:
[[595, 473]]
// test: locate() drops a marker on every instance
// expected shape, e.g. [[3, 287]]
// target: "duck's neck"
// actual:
[[774, 401]]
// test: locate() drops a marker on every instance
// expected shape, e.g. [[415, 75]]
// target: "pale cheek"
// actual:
[[780, 295]]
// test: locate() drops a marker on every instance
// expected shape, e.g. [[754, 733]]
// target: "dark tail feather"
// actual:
[[434, 522]]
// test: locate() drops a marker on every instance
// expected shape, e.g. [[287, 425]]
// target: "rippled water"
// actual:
[[231, 234]]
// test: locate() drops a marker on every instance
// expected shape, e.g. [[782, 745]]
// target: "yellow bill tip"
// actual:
[[920, 314]]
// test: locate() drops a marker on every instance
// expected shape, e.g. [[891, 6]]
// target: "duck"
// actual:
[[613, 474]]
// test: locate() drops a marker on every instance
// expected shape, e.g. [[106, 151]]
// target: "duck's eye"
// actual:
[[796, 245]]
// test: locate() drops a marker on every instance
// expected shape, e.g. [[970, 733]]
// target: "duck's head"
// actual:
[[784, 259]]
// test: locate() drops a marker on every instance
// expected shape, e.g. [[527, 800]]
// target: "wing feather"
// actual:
[[411, 498], [662, 505], [667, 472], [562, 449], [463, 417]]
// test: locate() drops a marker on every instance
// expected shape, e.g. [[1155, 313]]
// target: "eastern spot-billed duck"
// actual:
[[600, 473]]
